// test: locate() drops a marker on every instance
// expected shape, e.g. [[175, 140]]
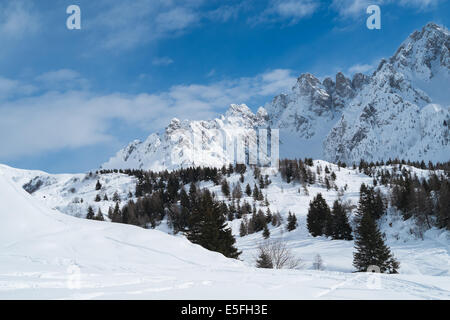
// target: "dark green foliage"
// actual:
[[340, 229], [318, 216], [248, 190], [90, 213], [292, 222], [264, 261], [371, 249], [207, 227], [98, 185], [266, 232]]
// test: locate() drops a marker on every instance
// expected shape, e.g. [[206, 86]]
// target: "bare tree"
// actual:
[[318, 263], [281, 257]]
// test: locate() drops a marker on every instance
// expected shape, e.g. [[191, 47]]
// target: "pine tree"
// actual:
[[266, 232], [225, 188], [292, 222], [90, 214], [98, 186], [248, 190], [116, 197], [208, 227], [117, 214], [341, 229], [371, 249], [97, 198], [99, 215], [318, 217], [243, 229], [264, 261]]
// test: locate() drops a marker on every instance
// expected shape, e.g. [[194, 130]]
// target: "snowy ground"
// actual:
[[45, 254]]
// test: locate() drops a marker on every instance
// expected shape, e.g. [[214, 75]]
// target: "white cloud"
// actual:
[[291, 11], [361, 68], [62, 79], [126, 25], [17, 20], [10, 88], [162, 61], [353, 8], [72, 119]]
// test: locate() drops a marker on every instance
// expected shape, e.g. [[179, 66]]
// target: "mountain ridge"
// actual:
[[400, 111]]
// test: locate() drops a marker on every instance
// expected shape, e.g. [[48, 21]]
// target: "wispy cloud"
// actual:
[[354, 8], [74, 118], [162, 61], [17, 20], [289, 11], [361, 68]]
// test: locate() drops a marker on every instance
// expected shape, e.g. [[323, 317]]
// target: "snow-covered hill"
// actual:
[[46, 254], [402, 110]]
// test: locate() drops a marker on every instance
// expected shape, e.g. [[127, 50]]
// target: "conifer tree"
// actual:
[[225, 188], [371, 249], [99, 215], [243, 229], [208, 227], [248, 190], [292, 222], [341, 229], [264, 261], [318, 216], [90, 214], [98, 185], [266, 232]]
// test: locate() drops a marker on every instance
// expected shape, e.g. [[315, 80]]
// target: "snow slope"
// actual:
[[42, 250]]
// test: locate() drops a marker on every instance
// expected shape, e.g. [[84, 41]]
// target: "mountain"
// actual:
[[401, 110], [404, 109], [190, 143]]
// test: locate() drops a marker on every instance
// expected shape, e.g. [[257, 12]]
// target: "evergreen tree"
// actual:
[[264, 261], [341, 229], [371, 249], [116, 197], [90, 214], [97, 198], [266, 232], [117, 214], [243, 229], [225, 188], [248, 190], [208, 227], [318, 216], [98, 185], [99, 215], [292, 222]]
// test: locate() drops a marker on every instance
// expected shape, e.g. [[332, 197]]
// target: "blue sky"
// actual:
[[69, 99]]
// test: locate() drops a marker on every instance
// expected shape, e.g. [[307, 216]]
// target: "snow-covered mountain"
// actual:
[[404, 109], [401, 110], [190, 143]]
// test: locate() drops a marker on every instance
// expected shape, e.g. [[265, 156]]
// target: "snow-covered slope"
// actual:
[[45, 254], [402, 110]]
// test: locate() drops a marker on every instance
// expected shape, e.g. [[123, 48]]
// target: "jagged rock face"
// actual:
[[191, 143], [401, 110], [398, 114]]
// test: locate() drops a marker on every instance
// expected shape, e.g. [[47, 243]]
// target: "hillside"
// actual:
[[42, 250]]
